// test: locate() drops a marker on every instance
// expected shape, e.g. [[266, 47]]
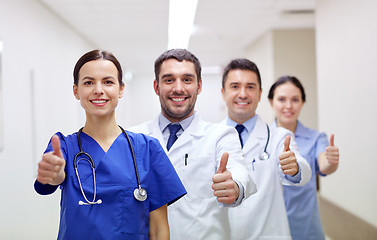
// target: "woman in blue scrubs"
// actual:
[[287, 96], [99, 203]]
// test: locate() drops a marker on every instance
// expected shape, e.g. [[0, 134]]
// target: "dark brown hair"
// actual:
[[284, 79], [95, 55]]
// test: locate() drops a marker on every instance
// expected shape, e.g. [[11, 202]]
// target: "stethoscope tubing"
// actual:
[[140, 193]]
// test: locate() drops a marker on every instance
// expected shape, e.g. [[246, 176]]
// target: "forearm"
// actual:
[[158, 224]]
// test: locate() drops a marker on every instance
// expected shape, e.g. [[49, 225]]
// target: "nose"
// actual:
[[98, 90], [242, 92], [178, 86], [288, 104]]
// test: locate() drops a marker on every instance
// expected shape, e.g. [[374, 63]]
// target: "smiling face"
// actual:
[[241, 94], [178, 88], [287, 103], [98, 88]]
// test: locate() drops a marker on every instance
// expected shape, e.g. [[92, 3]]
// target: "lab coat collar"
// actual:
[[194, 130], [257, 136]]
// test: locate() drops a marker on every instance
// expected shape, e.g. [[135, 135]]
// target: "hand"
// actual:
[[288, 161], [225, 189], [51, 167], [332, 152]]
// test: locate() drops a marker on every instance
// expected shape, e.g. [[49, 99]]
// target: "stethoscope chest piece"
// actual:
[[140, 194], [263, 156]]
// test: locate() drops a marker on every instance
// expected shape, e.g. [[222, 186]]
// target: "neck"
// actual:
[[240, 120], [101, 128], [290, 126]]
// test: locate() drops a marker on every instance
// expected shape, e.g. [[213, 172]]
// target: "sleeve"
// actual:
[[165, 187], [321, 144], [228, 142], [46, 189]]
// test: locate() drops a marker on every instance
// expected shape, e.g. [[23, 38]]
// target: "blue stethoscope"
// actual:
[[265, 155], [140, 193]]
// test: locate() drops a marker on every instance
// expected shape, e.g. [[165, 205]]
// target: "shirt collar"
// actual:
[[163, 122], [300, 130], [249, 124]]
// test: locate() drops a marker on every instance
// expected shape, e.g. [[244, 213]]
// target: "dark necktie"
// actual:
[[239, 129], [173, 128]]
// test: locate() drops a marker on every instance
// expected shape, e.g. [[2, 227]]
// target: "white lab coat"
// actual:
[[198, 215], [263, 215]]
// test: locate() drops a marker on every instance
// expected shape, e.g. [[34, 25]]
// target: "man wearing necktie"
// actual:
[[262, 215], [207, 157]]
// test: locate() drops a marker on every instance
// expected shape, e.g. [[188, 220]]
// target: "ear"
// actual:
[[121, 91], [156, 87], [223, 93], [75, 92], [260, 94], [271, 104], [199, 86]]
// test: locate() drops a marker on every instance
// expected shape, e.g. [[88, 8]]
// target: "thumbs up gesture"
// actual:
[[287, 159], [225, 189], [332, 152], [51, 167]]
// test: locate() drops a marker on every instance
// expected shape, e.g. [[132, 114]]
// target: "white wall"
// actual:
[[347, 84], [287, 52], [37, 63], [294, 54], [261, 52]]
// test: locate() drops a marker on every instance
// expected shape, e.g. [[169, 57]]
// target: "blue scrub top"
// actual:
[[120, 216], [301, 201]]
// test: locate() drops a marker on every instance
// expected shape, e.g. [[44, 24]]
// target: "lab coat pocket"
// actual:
[[197, 177]]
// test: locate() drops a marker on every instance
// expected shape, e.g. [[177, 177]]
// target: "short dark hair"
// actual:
[[284, 79], [242, 64], [180, 55], [95, 55]]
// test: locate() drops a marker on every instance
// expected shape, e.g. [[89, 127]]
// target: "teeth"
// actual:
[[242, 103], [178, 99], [99, 101]]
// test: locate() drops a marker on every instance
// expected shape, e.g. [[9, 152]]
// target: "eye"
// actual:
[[109, 82], [168, 80], [187, 80], [87, 82], [281, 99], [296, 100]]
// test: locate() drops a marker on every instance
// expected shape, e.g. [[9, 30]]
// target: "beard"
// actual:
[[177, 114]]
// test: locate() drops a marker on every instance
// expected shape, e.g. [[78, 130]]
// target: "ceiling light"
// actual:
[[181, 21]]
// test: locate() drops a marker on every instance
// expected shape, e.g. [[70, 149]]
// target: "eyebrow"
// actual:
[[170, 75], [91, 78], [237, 83]]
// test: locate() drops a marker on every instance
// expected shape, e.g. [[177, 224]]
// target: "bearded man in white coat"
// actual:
[[207, 157], [272, 157]]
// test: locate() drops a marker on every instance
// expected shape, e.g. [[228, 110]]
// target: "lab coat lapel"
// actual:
[[193, 131], [257, 137]]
